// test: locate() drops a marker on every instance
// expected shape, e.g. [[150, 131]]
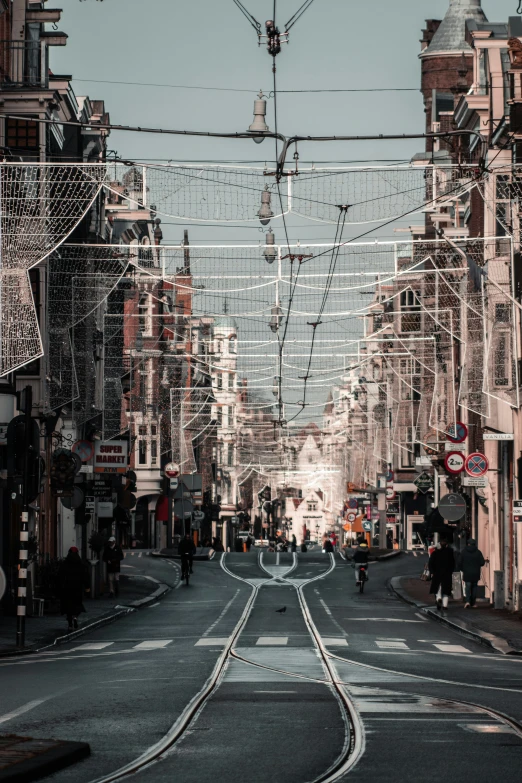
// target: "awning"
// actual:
[[162, 509]]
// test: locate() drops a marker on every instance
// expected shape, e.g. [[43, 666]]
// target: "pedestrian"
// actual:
[[113, 555], [73, 579], [249, 541], [304, 548], [217, 546], [441, 566], [293, 545], [361, 557], [471, 561]]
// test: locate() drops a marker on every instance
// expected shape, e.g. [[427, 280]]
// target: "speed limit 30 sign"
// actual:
[[454, 462]]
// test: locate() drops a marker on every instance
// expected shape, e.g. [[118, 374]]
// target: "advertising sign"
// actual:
[[111, 456], [517, 511]]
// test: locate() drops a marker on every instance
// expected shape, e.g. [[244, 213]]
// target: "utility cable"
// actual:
[[253, 21], [298, 14]]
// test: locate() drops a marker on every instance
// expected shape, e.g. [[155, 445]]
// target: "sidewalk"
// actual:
[[496, 628], [135, 591]]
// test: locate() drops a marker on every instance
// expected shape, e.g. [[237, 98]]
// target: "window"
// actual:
[[312, 505], [153, 452], [230, 456], [219, 416], [142, 452], [21, 134], [219, 379], [143, 385], [232, 344], [145, 314], [410, 319]]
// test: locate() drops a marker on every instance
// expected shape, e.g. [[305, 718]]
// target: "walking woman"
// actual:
[[73, 579]]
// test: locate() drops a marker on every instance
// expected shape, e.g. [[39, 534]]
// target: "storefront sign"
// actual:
[[111, 456], [498, 436]]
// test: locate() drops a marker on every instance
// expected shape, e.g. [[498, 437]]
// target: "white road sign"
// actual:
[[498, 436]]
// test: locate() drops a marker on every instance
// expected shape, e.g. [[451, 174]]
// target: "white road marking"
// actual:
[[424, 619], [382, 619], [334, 642], [488, 728], [452, 648], [153, 644], [392, 645], [223, 613], [137, 679], [153, 605], [326, 609], [272, 640], [20, 711], [211, 641], [92, 646], [275, 691]]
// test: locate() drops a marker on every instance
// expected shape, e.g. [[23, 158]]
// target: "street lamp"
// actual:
[[270, 251], [317, 529], [259, 125], [277, 317], [265, 211]]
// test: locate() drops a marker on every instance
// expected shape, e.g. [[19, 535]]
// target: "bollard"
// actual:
[[244, 546], [92, 574]]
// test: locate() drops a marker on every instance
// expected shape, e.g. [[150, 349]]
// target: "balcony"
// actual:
[[23, 65]]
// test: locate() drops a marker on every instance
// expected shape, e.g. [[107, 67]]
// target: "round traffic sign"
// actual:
[[476, 464], [457, 433], [452, 507], [390, 493], [352, 503], [172, 470], [351, 517], [84, 449], [199, 516], [454, 462]]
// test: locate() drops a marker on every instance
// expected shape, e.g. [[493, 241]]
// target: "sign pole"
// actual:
[[381, 506], [21, 607]]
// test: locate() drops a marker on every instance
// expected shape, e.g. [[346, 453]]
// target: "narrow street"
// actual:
[[206, 682]]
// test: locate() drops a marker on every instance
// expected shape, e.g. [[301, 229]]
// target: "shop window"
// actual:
[[21, 134]]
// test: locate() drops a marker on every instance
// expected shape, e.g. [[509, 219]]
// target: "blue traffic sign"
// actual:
[[476, 464], [458, 432]]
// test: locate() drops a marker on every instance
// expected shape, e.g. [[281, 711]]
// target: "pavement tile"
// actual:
[[483, 619], [24, 758]]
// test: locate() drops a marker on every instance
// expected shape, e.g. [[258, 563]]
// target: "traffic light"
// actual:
[[63, 470], [15, 437]]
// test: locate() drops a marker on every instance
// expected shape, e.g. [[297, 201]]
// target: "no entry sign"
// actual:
[[476, 464], [458, 432], [454, 462], [452, 507]]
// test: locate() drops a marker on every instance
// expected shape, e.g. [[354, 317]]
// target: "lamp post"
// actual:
[[317, 529]]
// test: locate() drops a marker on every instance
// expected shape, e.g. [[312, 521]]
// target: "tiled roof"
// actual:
[[450, 37]]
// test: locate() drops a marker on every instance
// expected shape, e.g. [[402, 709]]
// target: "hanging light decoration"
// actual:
[[265, 211], [259, 125], [270, 250]]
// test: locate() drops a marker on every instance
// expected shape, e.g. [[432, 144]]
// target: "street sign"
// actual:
[[498, 436], [171, 470], [173, 483], [517, 514], [351, 517], [424, 482], [111, 456], [105, 509], [390, 494], [449, 446], [367, 526], [471, 481], [390, 476], [89, 502], [422, 462], [352, 503], [457, 433], [199, 516], [454, 462], [347, 527], [431, 443], [452, 507], [476, 464], [84, 449]]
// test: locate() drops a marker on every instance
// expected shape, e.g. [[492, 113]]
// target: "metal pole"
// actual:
[[506, 522], [21, 608], [381, 505]]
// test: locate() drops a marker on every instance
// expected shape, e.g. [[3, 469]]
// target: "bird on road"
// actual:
[[281, 611]]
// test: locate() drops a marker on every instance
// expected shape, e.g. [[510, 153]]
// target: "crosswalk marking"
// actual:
[[154, 644], [392, 645], [92, 646], [452, 648], [334, 642], [208, 641], [272, 640]]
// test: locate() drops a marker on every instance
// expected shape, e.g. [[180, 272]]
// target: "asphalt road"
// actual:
[[212, 683]]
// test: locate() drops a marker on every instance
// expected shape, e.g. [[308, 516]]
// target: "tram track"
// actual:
[[354, 744], [354, 733]]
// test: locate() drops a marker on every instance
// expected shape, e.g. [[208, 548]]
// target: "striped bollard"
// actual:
[[21, 607]]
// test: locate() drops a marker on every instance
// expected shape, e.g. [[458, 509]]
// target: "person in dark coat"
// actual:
[[441, 566], [471, 561], [217, 546], [361, 556], [113, 555], [328, 546], [293, 545], [73, 579]]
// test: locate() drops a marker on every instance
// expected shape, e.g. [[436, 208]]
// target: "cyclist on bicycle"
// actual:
[[186, 551], [360, 557]]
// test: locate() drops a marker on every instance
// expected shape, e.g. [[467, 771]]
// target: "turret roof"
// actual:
[[450, 37]]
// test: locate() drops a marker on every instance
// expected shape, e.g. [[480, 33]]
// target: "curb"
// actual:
[[112, 616], [496, 643]]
